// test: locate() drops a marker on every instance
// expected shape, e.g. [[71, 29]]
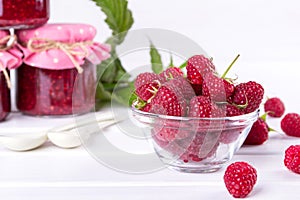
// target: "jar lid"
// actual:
[[61, 46], [59, 32], [3, 33], [10, 56]]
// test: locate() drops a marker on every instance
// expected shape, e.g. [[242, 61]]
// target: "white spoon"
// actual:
[[29, 141], [23, 142], [71, 138]]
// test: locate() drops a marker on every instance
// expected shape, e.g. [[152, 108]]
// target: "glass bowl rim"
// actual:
[[247, 116]]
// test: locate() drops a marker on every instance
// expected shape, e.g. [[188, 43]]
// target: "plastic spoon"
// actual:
[[29, 141], [71, 138], [23, 142]]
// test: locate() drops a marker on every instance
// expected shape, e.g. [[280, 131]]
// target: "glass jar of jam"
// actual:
[[4, 97], [23, 13], [58, 74], [10, 58]]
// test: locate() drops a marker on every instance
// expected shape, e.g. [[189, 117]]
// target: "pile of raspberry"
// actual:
[[200, 93]]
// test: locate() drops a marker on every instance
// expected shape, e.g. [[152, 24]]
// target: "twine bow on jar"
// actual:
[[7, 43], [70, 49]]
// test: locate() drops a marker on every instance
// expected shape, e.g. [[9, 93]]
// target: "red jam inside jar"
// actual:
[[4, 97], [43, 92], [23, 13]]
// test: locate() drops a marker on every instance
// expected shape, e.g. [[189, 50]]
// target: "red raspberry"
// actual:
[[169, 131], [249, 94], [232, 110], [169, 101], [240, 178], [218, 89], [274, 107], [197, 67], [170, 73], [292, 158], [181, 85], [290, 124], [258, 134], [202, 107], [147, 91], [230, 135], [145, 78], [146, 108]]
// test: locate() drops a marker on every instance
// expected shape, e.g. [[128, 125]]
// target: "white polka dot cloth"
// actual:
[[56, 58]]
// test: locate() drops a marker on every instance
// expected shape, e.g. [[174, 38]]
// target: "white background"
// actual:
[[265, 33]]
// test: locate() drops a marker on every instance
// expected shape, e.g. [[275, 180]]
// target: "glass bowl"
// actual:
[[195, 145]]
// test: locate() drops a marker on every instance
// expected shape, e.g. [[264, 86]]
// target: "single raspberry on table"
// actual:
[[274, 107], [145, 78], [197, 67], [248, 95], [240, 178], [218, 89], [290, 124], [170, 73], [258, 134], [292, 158]]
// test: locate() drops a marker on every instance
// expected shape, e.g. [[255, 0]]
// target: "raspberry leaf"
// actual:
[[156, 62], [118, 17], [171, 61]]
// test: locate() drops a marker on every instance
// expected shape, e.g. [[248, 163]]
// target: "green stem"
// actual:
[[183, 65], [227, 70]]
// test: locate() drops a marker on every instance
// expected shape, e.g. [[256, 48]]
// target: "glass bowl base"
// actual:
[[198, 169]]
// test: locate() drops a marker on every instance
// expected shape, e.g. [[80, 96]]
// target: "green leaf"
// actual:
[[102, 94], [183, 65], [156, 62], [118, 17], [171, 61], [124, 94]]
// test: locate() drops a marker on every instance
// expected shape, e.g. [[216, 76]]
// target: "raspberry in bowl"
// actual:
[[195, 145], [195, 122]]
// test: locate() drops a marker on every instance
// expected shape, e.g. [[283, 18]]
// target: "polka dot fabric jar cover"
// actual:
[[58, 74], [10, 58]]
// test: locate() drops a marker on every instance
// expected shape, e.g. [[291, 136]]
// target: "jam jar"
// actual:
[[10, 58], [4, 97], [58, 74], [23, 13]]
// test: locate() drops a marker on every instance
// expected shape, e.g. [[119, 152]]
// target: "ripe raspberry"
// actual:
[[169, 101], [290, 124], [258, 134], [145, 78], [249, 94], [292, 158], [240, 178], [170, 73], [197, 67], [228, 135], [274, 107], [146, 108], [218, 89], [147, 91], [202, 107], [169, 131], [232, 110], [181, 85]]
